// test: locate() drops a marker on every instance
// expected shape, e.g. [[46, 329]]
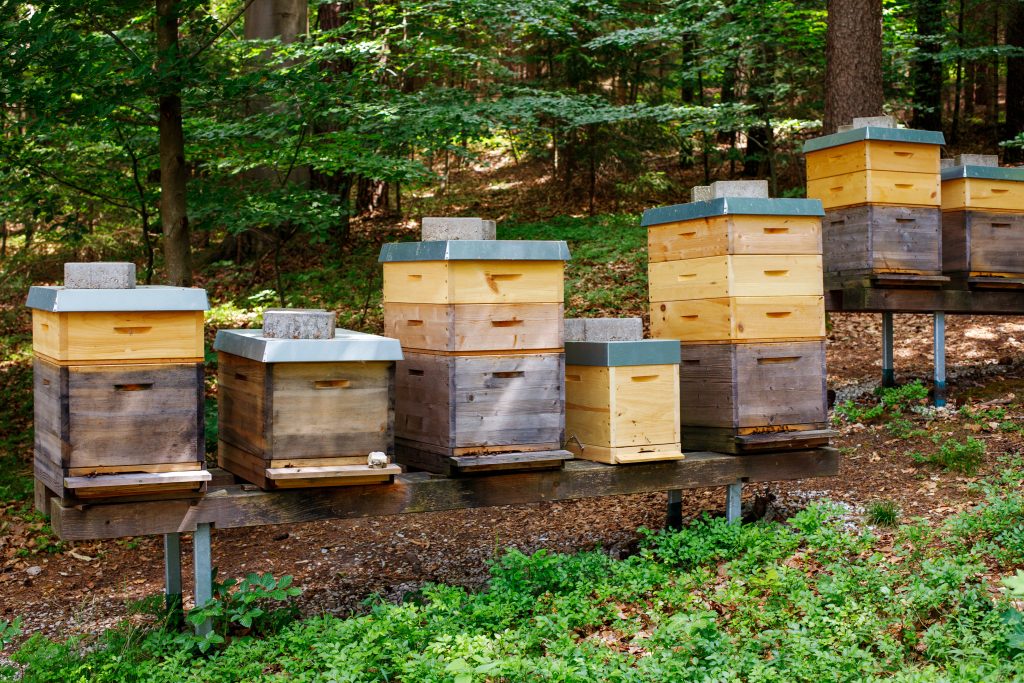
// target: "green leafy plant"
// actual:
[[883, 513], [955, 456], [891, 402], [9, 630], [254, 605]]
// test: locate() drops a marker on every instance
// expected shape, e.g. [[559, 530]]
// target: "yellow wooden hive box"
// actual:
[[714, 277], [734, 234], [984, 188], [622, 401], [739, 319]]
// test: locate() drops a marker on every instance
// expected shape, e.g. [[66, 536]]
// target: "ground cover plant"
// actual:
[[819, 597]]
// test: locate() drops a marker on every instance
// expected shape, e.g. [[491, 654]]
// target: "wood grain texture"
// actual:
[[735, 276], [862, 240], [466, 402], [895, 188], [232, 506], [984, 194], [739, 319], [628, 407], [734, 234], [983, 243], [747, 386], [114, 337], [473, 282], [877, 155], [865, 299], [725, 440], [626, 455], [466, 328]]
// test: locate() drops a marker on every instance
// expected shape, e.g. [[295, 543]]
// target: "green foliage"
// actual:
[[257, 605], [955, 456], [883, 513], [892, 402], [987, 416]]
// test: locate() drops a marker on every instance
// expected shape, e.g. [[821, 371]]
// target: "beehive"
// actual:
[[880, 187], [726, 290], [118, 389], [481, 323], [738, 398], [622, 400], [983, 225], [738, 281], [305, 412]]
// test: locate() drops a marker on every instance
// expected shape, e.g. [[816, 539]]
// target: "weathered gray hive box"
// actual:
[[305, 412], [983, 225], [622, 400], [118, 386]]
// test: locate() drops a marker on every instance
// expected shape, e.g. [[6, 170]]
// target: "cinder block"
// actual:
[[99, 276], [874, 122], [701, 193], [613, 329], [947, 163], [844, 129], [977, 160], [298, 323], [739, 188], [575, 329], [440, 229]]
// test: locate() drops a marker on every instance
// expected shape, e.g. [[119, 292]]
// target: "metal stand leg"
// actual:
[[940, 359], [172, 575], [202, 561], [888, 370], [674, 518], [733, 495]]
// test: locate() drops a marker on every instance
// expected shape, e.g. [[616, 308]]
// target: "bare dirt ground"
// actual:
[[87, 586]]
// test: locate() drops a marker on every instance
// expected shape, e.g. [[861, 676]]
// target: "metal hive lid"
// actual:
[[476, 250], [143, 298], [621, 353], [985, 172], [751, 206], [920, 137], [347, 346]]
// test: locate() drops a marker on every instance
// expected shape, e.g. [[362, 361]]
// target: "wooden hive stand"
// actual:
[[302, 412], [480, 388], [880, 188], [118, 385], [621, 393], [738, 281], [983, 224]]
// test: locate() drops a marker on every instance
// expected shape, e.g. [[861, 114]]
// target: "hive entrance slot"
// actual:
[[574, 378], [776, 231], [779, 314], [776, 273], [691, 361], [780, 360], [415, 373], [141, 386], [132, 330], [414, 323], [331, 383], [645, 378], [509, 374], [506, 323]]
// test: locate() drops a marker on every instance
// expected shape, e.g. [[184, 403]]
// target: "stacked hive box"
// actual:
[[879, 186], [302, 404], [738, 280], [480, 321], [621, 393], [118, 385], [983, 222]]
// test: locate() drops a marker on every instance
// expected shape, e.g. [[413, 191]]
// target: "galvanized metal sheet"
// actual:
[[143, 298], [750, 206], [922, 137], [476, 250], [984, 172], [346, 346], [613, 354]]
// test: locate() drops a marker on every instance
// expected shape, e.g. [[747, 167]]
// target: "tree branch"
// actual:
[[202, 48], [124, 46]]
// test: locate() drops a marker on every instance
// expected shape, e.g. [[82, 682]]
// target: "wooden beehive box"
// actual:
[[118, 390], [305, 412], [622, 400], [881, 191], [740, 398], [874, 165], [983, 225], [463, 412], [739, 319]]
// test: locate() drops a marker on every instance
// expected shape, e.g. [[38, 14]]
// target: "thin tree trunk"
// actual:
[[1014, 81], [853, 54], [173, 172], [927, 69], [954, 132]]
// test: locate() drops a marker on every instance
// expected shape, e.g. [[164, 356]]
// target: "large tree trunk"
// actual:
[[853, 53], [927, 70], [173, 173], [286, 19], [1014, 81]]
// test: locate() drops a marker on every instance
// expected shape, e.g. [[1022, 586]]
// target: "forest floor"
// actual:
[[66, 588]]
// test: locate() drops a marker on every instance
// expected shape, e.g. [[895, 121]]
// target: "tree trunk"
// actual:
[[284, 19], [173, 173], [927, 69], [853, 54], [1014, 81], [954, 132]]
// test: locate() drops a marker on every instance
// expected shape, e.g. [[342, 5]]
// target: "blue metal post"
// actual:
[[733, 496], [203, 565], [674, 518], [940, 358], [888, 369], [172, 574]]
